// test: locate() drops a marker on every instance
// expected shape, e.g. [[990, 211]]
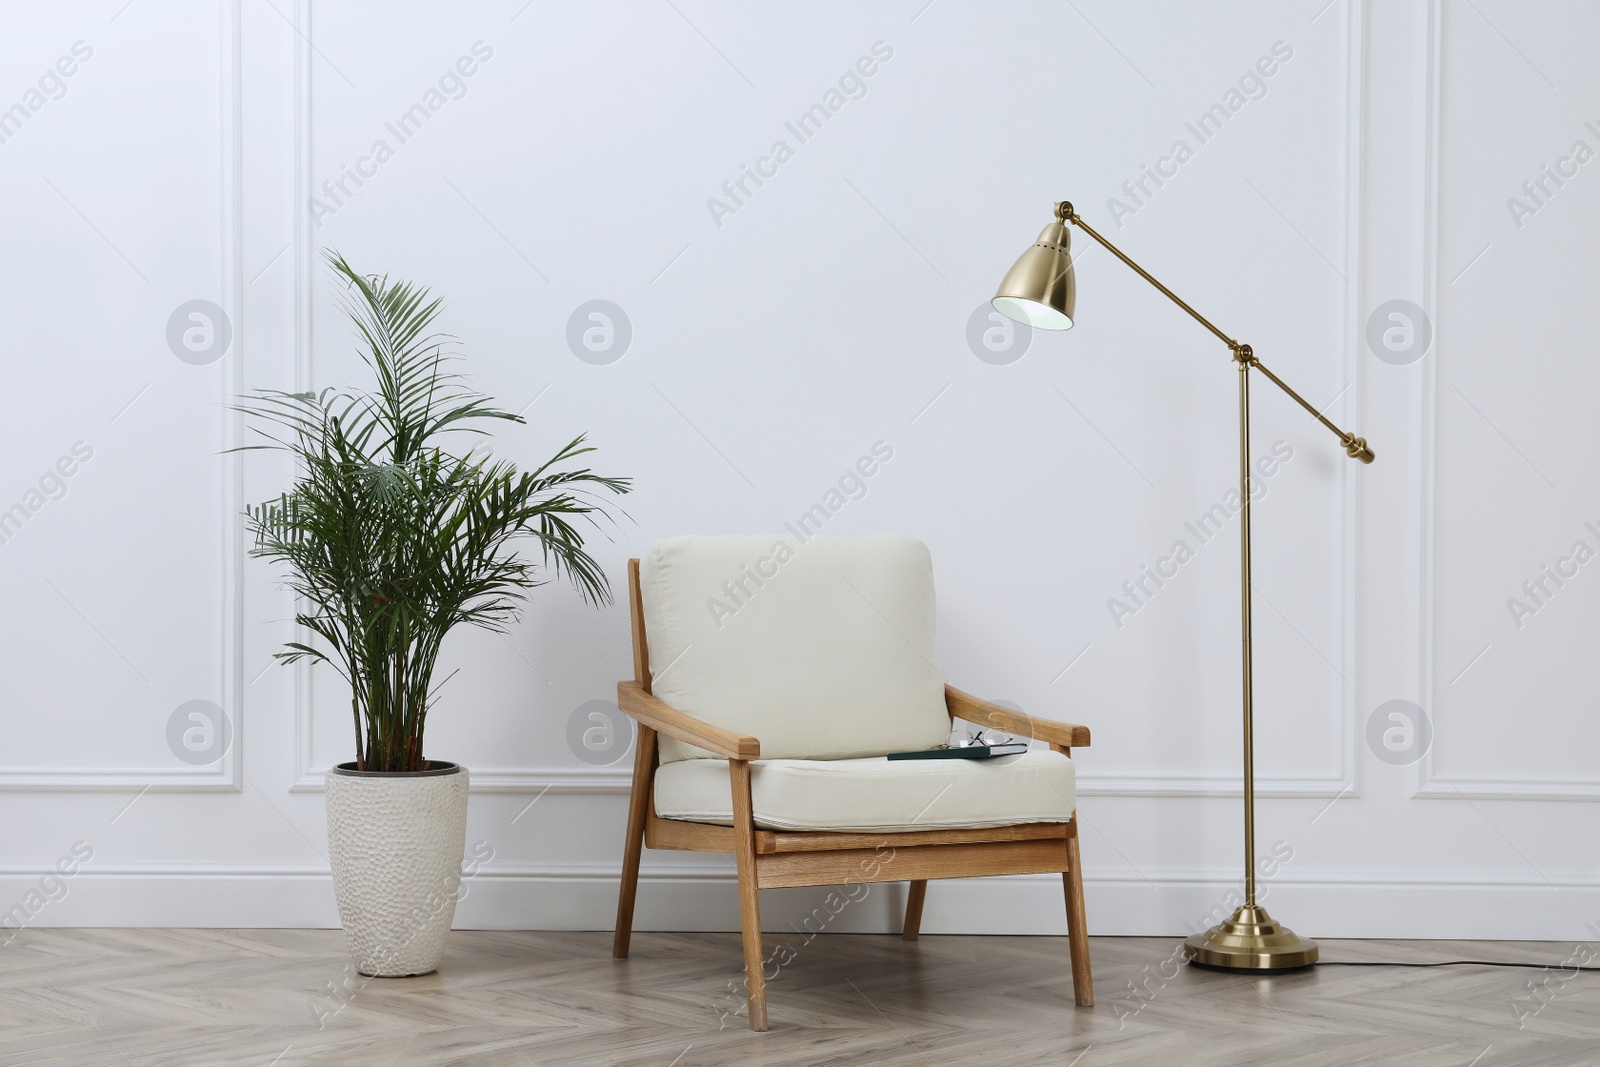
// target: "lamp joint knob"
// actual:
[[1357, 448]]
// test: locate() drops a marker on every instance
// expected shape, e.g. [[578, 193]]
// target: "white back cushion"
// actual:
[[821, 650]]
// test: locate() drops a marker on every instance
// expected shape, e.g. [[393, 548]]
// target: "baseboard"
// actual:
[[584, 898]]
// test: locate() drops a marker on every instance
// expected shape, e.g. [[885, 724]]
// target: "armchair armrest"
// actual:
[[668, 720], [966, 706]]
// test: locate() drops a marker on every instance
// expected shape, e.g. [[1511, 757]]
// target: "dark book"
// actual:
[[967, 752]]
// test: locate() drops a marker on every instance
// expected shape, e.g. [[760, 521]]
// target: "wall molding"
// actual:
[[309, 778], [722, 874], [1213, 785], [304, 273], [1440, 788], [539, 781], [1430, 782], [1348, 781], [560, 780], [227, 774], [125, 779], [681, 898]]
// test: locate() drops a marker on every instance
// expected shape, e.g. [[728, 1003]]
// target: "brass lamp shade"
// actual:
[[1041, 290]]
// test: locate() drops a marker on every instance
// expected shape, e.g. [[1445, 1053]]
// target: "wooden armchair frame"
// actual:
[[770, 859]]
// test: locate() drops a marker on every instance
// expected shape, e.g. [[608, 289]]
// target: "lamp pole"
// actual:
[[1244, 629], [1041, 290]]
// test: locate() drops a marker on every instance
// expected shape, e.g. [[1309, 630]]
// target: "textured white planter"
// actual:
[[396, 842]]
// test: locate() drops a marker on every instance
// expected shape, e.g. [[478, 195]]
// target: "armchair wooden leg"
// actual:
[[913, 926], [755, 982], [1077, 922], [644, 758]]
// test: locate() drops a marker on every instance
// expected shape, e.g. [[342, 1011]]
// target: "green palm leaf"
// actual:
[[389, 540]]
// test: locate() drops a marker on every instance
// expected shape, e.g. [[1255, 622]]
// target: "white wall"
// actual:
[[774, 344]]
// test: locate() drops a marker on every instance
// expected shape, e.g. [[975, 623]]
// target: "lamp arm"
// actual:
[[1065, 213], [1354, 447]]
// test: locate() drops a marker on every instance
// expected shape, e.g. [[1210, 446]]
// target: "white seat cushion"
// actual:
[[876, 794], [821, 649]]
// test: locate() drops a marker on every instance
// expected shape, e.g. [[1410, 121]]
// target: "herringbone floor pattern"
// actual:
[[128, 998]]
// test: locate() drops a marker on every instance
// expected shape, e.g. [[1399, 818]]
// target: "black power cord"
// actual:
[[1457, 963]]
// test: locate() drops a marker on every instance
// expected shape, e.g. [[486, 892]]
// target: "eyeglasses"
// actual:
[[980, 737]]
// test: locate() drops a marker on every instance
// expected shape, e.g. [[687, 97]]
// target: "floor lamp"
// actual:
[[1040, 290]]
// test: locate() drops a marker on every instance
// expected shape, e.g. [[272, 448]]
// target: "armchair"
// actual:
[[785, 674]]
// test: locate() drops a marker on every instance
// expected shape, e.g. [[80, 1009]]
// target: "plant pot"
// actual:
[[396, 841]]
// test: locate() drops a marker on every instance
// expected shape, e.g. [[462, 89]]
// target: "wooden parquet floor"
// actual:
[[128, 998]]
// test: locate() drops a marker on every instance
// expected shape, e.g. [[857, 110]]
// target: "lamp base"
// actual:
[[1250, 941]]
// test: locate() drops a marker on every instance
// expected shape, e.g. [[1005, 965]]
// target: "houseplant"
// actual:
[[390, 541]]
